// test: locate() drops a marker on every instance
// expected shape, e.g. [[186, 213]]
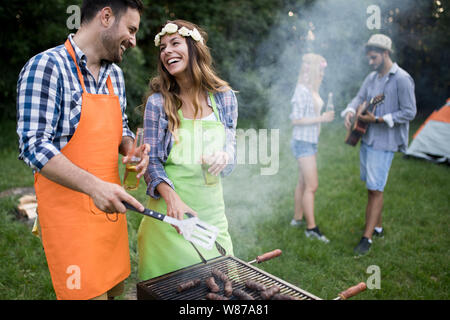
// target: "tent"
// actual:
[[432, 140]]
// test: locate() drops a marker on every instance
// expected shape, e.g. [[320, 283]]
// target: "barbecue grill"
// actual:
[[164, 287]]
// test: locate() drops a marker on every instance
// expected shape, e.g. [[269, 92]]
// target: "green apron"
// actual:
[[161, 249]]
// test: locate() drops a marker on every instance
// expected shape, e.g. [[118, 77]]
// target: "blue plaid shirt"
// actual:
[[49, 101], [157, 134]]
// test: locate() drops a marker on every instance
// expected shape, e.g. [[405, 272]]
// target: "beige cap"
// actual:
[[380, 41]]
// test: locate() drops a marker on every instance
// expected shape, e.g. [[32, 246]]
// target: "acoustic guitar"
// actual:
[[358, 128]]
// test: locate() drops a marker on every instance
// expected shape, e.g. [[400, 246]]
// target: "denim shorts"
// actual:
[[374, 166], [302, 148]]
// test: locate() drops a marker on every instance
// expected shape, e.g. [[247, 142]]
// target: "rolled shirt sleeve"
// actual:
[[155, 131], [388, 119], [38, 103]]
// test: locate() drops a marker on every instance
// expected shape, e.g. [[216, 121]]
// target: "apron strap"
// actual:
[[110, 86], [213, 102], [71, 51], [180, 113], [69, 48]]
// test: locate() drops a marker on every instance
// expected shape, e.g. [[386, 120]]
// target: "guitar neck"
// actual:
[[370, 108]]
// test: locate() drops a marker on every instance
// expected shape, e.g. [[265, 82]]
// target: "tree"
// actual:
[[256, 46], [29, 27]]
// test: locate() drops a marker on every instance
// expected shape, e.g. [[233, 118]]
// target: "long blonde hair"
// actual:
[[312, 65], [200, 71]]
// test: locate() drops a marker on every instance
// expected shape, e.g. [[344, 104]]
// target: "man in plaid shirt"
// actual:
[[48, 112], [72, 125]]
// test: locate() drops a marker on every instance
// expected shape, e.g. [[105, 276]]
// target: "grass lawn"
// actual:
[[413, 258]]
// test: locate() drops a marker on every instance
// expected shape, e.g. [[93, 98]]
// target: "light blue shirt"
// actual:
[[397, 109]]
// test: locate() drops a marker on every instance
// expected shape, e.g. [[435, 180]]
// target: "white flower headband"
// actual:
[[171, 28]]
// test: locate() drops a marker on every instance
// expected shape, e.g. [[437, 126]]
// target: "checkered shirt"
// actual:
[[160, 138], [303, 107], [49, 101]]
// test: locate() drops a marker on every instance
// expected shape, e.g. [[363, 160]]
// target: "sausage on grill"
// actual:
[[220, 275], [215, 296], [269, 293], [228, 288], [242, 295], [188, 285], [280, 296], [212, 285], [253, 285]]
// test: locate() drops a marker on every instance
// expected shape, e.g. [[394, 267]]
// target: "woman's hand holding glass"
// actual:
[[216, 162]]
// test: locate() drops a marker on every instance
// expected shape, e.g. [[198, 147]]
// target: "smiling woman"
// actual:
[[189, 108], [174, 55]]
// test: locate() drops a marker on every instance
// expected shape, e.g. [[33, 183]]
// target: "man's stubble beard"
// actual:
[[111, 45], [380, 67]]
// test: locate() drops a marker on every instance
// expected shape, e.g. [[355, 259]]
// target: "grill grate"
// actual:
[[165, 287]]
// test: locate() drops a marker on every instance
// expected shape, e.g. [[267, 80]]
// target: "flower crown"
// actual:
[[171, 28]]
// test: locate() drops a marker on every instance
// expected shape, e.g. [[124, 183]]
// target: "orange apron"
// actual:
[[87, 250]]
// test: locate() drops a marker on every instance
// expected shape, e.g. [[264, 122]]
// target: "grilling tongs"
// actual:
[[192, 229]]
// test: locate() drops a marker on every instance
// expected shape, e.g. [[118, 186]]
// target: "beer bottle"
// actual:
[[330, 105]]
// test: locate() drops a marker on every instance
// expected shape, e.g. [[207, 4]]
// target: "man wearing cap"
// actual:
[[387, 131]]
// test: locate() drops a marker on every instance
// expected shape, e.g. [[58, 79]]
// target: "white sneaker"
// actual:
[[317, 235], [297, 223]]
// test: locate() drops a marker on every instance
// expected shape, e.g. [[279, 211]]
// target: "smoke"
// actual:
[[335, 29]]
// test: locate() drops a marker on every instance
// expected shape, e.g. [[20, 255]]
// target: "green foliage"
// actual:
[[256, 46], [29, 27], [420, 32], [136, 78]]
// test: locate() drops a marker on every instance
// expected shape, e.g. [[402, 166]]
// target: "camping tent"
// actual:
[[432, 140]]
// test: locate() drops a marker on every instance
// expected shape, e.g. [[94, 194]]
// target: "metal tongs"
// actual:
[[192, 229]]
